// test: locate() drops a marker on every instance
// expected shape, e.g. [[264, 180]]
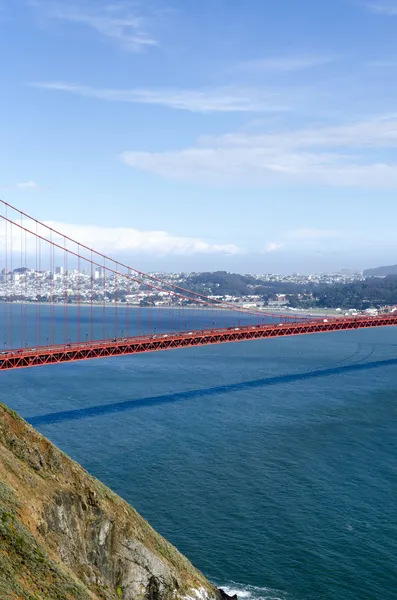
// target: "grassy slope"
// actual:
[[32, 472]]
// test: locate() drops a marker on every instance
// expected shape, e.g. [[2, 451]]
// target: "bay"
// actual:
[[271, 464]]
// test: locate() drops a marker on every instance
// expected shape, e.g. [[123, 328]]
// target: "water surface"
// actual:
[[271, 464]]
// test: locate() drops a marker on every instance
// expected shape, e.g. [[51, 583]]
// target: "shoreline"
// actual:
[[267, 311]]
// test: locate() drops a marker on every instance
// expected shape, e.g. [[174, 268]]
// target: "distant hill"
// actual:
[[223, 283], [381, 271]]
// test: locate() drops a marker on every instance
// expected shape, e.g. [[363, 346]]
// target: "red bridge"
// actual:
[[61, 301]]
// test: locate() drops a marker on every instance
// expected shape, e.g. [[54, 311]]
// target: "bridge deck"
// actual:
[[46, 355]]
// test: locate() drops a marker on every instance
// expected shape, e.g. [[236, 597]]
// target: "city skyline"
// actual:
[[186, 139], [95, 284]]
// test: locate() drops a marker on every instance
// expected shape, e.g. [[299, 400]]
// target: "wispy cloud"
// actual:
[[27, 185], [23, 185], [119, 21], [344, 155], [386, 63], [383, 7], [312, 234], [225, 99], [283, 63]]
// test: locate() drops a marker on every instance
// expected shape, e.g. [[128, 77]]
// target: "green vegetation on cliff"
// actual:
[[66, 536], [26, 569]]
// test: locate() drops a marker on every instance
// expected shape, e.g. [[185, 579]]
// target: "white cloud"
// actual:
[[27, 185], [123, 239], [224, 99], [343, 155], [283, 63], [118, 21], [385, 7], [273, 247]]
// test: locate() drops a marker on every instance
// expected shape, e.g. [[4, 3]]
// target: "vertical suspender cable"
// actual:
[[11, 336], [116, 300], [92, 298], [78, 295], [65, 276]]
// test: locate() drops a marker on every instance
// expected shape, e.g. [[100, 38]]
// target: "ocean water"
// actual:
[[271, 464]]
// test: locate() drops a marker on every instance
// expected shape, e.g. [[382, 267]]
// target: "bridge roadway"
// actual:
[[48, 355]]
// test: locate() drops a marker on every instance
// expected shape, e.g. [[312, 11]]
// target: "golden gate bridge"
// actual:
[[62, 301]]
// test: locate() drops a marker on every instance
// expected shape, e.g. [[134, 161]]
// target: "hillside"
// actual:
[[65, 536], [223, 283], [381, 271]]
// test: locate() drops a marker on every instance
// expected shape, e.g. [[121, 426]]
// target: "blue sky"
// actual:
[[251, 135]]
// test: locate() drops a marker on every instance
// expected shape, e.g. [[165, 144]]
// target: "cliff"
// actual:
[[65, 536]]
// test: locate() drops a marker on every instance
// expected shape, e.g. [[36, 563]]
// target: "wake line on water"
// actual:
[[95, 411]]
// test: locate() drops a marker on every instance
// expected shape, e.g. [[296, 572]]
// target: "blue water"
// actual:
[[23, 325], [272, 464]]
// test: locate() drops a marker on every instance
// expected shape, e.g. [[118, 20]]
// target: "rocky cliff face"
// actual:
[[64, 535]]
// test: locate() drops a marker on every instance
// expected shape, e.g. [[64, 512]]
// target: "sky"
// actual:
[[244, 135]]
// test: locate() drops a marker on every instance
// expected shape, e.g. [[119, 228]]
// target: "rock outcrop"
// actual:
[[65, 536]]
